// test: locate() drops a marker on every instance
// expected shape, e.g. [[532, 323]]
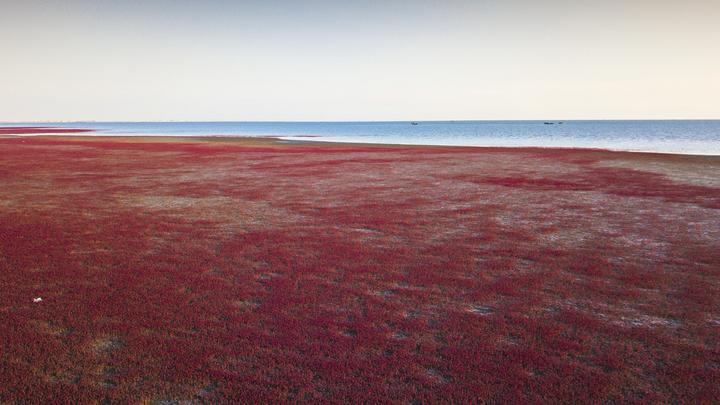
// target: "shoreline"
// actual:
[[278, 141], [74, 133]]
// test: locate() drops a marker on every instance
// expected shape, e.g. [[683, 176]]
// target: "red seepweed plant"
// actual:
[[222, 272]]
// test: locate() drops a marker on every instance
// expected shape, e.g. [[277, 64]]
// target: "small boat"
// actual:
[[413, 123], [548, 123]]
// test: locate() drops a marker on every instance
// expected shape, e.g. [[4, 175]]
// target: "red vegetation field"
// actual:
[[251, 271]]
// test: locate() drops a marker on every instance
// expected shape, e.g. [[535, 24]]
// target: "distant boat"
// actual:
[[548, 123], [413, 123]]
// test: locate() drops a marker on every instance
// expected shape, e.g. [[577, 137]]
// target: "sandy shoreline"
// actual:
[[278, 141]]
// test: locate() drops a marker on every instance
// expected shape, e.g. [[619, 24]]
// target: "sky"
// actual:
[[213, 60]]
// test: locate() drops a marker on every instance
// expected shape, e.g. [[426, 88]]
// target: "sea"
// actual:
[[700, 137]]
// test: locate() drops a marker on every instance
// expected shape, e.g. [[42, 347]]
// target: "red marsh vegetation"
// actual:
[[222, 271]]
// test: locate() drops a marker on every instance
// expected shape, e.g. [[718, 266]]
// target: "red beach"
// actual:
[[248, 270]]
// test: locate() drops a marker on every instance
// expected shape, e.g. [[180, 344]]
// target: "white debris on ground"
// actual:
[[37, 299]]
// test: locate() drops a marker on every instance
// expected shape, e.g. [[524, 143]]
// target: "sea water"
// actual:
[[670, 136]]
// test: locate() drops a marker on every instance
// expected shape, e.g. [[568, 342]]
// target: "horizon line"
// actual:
[[350, 121]]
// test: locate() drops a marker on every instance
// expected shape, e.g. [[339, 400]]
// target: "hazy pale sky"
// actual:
[[362, 60]]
